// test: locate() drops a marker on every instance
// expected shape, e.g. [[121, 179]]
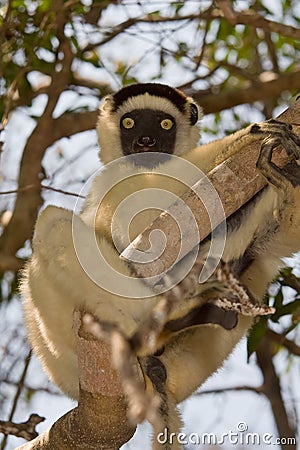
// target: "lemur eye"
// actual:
[[166, 124], [128, 123]]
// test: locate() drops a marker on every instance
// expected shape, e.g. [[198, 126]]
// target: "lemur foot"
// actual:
[[279, 133]]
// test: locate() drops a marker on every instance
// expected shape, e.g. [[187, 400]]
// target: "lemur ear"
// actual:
[[108, 103], [194, 115]]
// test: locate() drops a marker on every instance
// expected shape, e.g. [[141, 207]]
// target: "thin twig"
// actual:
[[17, 395], [280, 339], [33, 186], [257, 389]]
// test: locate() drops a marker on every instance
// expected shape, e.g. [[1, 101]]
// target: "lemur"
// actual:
[[141, 128]]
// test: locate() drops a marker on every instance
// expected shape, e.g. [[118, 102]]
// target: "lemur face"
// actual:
[[148, 131], [149, 121]]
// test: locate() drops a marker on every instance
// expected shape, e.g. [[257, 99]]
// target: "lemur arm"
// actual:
[[235, 179]]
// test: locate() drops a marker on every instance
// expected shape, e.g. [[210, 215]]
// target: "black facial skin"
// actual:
[[148, 136]]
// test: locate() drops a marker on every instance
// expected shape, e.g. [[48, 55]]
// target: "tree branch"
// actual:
[[99, 422], [72, 123], [290, 280], [254, 19], [28, 202], [271, 388], [25, 430], [212, 102]]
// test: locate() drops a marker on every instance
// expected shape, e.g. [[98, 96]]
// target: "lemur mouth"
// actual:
[[145, 148], [149, 159]]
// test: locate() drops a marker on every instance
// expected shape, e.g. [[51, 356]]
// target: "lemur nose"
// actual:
[[146, 141]]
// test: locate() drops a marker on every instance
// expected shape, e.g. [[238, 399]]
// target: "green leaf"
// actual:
[[17, 3], [29, 394], [178, 6], [256, 334], [44, 5], [284, 310]]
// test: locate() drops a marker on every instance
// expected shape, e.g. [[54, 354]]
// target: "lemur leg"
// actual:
[[179, 307], [190, 304], [167, 423], [155, 404]]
